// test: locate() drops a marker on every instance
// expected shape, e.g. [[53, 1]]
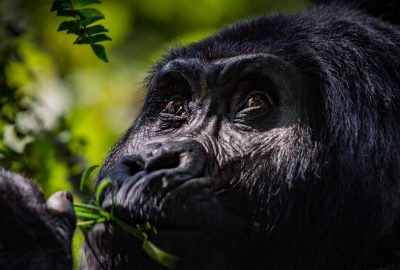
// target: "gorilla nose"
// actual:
[[170, 162]]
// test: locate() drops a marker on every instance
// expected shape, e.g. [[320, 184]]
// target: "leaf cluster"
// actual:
[[91, 214], [82, 23]]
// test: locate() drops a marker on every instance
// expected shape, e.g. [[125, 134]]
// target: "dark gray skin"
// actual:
[[273, 144]]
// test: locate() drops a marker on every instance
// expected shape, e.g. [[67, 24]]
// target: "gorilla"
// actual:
[[272, 144]]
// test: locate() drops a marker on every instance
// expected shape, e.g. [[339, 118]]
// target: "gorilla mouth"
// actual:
[[192, 223], [190, 207]]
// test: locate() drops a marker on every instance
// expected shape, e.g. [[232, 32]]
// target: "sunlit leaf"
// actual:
[[86, 174], [90, 214], [87, 215], [164, 258], [99, 51], [101, 187]]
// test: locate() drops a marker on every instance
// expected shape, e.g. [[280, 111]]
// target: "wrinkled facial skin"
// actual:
[[271, 145]]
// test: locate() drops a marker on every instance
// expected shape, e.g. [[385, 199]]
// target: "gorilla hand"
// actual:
[[34, 234]]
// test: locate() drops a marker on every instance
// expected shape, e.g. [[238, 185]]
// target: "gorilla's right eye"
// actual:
[[256, 102], [175, 105]]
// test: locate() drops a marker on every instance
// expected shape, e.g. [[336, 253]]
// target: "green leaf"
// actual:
[[61, 5], [83, 3], [89, 16], [87, 215], [100, 52], [129, 229], [168, 260], [87, 207], [86, 224], [88, 21], [8, 153], [86, 174], [68, 25], [72, 27], [82, 39], [67, 13], [86, 13], [103, 185], [92, 30], [99, 38]]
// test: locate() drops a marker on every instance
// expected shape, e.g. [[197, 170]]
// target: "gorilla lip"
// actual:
[[198, 207]]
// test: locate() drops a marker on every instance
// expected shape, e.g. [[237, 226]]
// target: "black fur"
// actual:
[[33, 235], [388, 10], [319, 176]]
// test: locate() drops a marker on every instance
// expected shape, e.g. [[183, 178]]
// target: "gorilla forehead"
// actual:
[[320, 41]]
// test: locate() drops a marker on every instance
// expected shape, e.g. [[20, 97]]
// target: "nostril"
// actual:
[[125, 168], [132, 166]]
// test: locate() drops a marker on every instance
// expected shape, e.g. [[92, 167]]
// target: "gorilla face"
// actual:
[[271, 145]]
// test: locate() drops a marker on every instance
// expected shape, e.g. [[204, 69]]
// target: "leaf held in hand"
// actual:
[[101, 187], [164, 258], [86, 174]]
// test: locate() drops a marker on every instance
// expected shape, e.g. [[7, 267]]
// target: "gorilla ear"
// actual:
[[388, 10]]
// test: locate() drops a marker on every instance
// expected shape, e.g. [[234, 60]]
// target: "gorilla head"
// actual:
[[273, 144]]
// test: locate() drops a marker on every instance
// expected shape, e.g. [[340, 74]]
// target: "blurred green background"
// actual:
[[61, 108]]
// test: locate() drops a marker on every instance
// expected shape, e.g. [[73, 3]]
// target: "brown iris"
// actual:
[[256, 100], [174, 105]]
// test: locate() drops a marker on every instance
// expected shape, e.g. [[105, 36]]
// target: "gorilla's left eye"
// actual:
[[175, 105], [255, 101]]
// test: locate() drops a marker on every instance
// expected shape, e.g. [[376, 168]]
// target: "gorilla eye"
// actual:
[[257, 100], [175, 106]]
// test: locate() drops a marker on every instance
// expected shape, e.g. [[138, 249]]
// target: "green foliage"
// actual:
[[79, 25], [89, 215], [86, 175]]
